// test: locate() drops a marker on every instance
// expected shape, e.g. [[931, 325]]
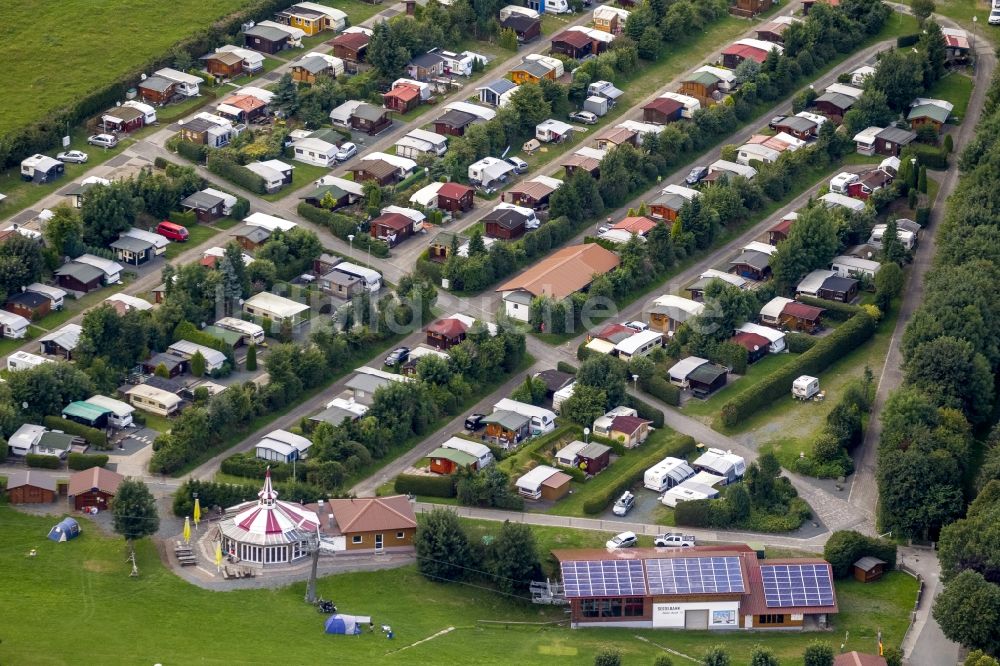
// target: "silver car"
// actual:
[[346, 152], [105, 140], [73, 156]]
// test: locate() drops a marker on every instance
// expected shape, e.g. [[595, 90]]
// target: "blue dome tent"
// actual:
[[66, 529], [345, 624]]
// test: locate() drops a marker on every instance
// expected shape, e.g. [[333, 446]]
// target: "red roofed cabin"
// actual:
[[393, 228], [94, 487], [801, 317], [446, 333], [756, 345], [455, 198], [350, 46], [573, 44], [631, 431], [734, 54], [749, 8], [402, 98], [779, 232], [662, 110], [638, 225], [372, 524]]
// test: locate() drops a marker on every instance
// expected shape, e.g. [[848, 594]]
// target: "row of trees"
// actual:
[[817, 653], [950, 367]]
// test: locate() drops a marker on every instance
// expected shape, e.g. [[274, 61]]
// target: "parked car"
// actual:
[[520, 166], [74, 156], [623, 540], [346, 152], [774, 121], [397, 355], [674, 540], [696, 175], [474, 422], [104, 140], [637, 326], [624, 504], [173, 231], [585, 117], [994, 18]]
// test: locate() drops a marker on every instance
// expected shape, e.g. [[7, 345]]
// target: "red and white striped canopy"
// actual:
[[270, 520]]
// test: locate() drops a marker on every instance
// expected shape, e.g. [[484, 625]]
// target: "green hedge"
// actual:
[[94, 437], [427, 486], [646, 410], [236, 174], [932, 157], [661, 389], [160, 163], [906, 40], [251, 467], [189, 150], [730, 355], [80, 461], [680, 448], [923, 216], [835, 310], [799, 343], [343, 226], [46, 462], [563, 366], [188, 331], [715, 514], [833, 347], [845, 547]]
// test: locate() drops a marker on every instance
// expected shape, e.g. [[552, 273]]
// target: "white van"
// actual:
[[542, 420], [373, 279], [251, 332]]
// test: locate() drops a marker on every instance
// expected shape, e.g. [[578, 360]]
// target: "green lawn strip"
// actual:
[[21, 194], [225, 223], [397, 449], [954, 87], [197, 235], [160, 424], [302, 175], [755, 372], [270, 64], [151, 611]]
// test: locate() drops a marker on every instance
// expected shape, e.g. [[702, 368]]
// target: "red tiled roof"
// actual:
[[627, 424], [745, 51], [449, 328], [395, 221], [636, 225], [372, 514], [614, 329], [94, 478], [664, 105], [244, 102], [352, 40], [802, 311], [574, 38], [404, 92], [750, 340], [453, 190]]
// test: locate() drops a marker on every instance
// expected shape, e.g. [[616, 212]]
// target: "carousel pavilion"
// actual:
[[268, 531]]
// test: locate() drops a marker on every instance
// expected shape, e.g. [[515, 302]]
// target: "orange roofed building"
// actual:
[[368, 524]]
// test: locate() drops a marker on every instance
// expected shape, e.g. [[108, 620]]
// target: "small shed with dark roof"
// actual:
[[706, 379], [756, 345], [868, 569]]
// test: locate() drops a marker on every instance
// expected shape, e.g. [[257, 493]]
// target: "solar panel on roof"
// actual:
[[695, 575], [787, 585], [603, 578]]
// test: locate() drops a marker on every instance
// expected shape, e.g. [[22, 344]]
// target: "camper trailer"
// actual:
[[805, 387], [726, 464], [542, 420], [666, 474]]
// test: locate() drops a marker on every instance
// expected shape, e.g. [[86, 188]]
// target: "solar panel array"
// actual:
[[787, 585], [608, 578], [695, 575]]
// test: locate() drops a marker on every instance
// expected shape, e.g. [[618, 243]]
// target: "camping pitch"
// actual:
[[66, 529], [346, 624]]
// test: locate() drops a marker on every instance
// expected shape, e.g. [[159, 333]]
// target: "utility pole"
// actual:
[[311, 585]]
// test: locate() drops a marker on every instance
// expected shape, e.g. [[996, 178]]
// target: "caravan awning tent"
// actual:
[[346, 624], [64, 531]]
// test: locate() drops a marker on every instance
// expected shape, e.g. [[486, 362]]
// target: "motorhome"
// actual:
[[373, 279], [251, 332]]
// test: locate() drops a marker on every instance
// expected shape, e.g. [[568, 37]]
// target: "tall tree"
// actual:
[[64, 232], [953, 374], [515, 557], [106, 212], [47, 388], [286, 96], [606, 374], [968, 611], [21, 263], [892, 248], [385, 53], [134, 510], [812, 242], [899, 74], [443, 552]]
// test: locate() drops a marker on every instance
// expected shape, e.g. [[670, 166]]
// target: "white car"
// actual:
[[74, 156], [623, 540], [624, 504], [585, 117], [994, 18], [346, 152], [636, 326], [105, 140]]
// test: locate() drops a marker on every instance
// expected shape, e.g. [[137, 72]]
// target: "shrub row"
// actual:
[[237, 174], [563, 366], [224, 495], [43, 461], [660, 388], [680, 447], [80, 461], [343, 226], [428, 486], [799, 343], [646, 410], [846, 547], [833, 347], [251, 467], [834, 309], [932, 157], [94, 437], [190, 150]]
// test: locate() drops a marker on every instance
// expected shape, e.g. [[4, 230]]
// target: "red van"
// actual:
[[174, 232]]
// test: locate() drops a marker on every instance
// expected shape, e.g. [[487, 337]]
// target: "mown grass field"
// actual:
[[75, 603], [57, 51]]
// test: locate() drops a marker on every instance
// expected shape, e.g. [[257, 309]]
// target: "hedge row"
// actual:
[[44, 461], [94, 437], [799, 343], [190, 150], [427, 486], [225, 495], [932, 157], [80, 461], [660, 388], [646, 411], [845, 547], [236, 174], [833, 347], [343, 226], [563, 366], [834, 309], [251, 467], [680, 447]]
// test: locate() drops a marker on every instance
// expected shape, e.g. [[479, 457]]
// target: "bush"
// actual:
[[906, 40], [192, 151], [799, 343], [343, 226], [923, 216], [236, 174], [80, 461], [251, 467], [428, 486], [932, 157], [43, 461], [680, 447], [241, 209], [646, 411], [96, 438], [833, 347], [160, 163], [658, 387], [701, 513], [845, 547], [730, 355], [582, 353], [835, 310], [563, 366]]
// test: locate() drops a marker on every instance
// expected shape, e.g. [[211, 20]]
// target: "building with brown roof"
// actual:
[[94, 487], [662, 110], [393, 228], [757, 346], [525, 27], [402, 98], [573, 44], [224, 64], [378, 170], [530, 194], [242, 108], [350, 46], [631, 431], [591, 165], [558, 276], [446, 333], [612, 137], [373, 524], [455, 197], [31, 487]]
